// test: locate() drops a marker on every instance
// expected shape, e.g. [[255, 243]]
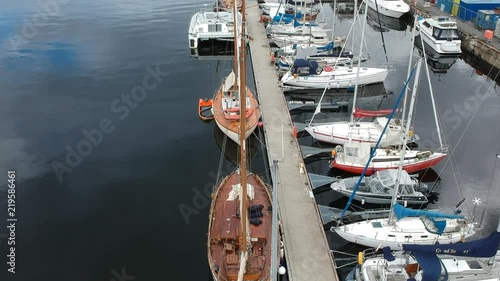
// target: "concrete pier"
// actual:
[[306, 248]]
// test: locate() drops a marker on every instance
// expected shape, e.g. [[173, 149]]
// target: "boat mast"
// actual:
[[333, 26], [356, 15], [409, 69], [432, 96], [235, 46], [359, 66], [243, 158], [405, 136]]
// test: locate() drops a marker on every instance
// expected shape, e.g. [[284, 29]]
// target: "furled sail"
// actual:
[[359, 113]]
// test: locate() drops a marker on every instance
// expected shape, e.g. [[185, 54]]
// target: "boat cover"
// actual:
[[296, 23], [327, 47], [301, 63], [481, 248], [402, 212], [431, 266], [388, 254]]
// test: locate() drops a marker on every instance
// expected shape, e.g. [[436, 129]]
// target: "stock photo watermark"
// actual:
[[457, 114], [30, 27], [201, 199], [121, 108]]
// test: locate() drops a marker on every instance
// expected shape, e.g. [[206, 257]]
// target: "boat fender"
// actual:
[[334, 153], [328, 69], [360, 258]]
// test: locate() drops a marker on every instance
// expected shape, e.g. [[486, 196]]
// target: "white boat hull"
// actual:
[[342, 132], [208, 25], [341, 77], [235, 135], [393, 9], [285, 40], [378, 233], [445, 45]]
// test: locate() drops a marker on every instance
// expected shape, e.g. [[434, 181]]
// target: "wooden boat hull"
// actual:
[[230, 127], [224, 232]]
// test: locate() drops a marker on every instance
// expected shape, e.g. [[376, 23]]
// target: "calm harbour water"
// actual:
[[118, 209]]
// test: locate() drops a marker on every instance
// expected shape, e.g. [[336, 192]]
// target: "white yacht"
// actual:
[[390, 8], [308, 74], [441, 34], [209, 25]]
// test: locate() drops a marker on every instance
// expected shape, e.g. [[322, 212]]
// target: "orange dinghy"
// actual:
[[204, 106]]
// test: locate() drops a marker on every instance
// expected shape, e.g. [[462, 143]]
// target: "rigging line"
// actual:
[[475, 112], [472, 118], [372, 154], [381, 32], [491, 185], [221, 159]]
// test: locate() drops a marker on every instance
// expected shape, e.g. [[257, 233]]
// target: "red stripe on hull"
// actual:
[[411, 168]]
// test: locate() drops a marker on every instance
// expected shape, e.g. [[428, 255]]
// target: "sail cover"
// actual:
[[482, 248], [358, 113], [229, 82], [402, 212], [304, 67], [431, 266]]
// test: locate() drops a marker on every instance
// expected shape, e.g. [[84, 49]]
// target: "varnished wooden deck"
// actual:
[[225, 229], [234, 125]]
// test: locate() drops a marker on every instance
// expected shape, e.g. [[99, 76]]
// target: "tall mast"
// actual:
[[235, 46], [403, 150], [432, 96], [359, 66], [243, 156], [409, 69]]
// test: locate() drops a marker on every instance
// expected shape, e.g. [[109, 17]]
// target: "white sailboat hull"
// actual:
[[409, 230], [457, 267], [284, 40], [340, 77], [342, 132], [234, 135], [415, 160]]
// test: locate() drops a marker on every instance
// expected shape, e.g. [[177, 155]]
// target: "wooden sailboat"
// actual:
[[227, 102], [240, 219]]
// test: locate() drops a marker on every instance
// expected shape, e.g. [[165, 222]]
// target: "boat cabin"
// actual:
[[442, 28], [385, 181]]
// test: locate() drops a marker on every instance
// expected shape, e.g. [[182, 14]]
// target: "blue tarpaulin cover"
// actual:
[[431, 266], [388, 254], [482, 248], [402, 212], [299, 63]]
